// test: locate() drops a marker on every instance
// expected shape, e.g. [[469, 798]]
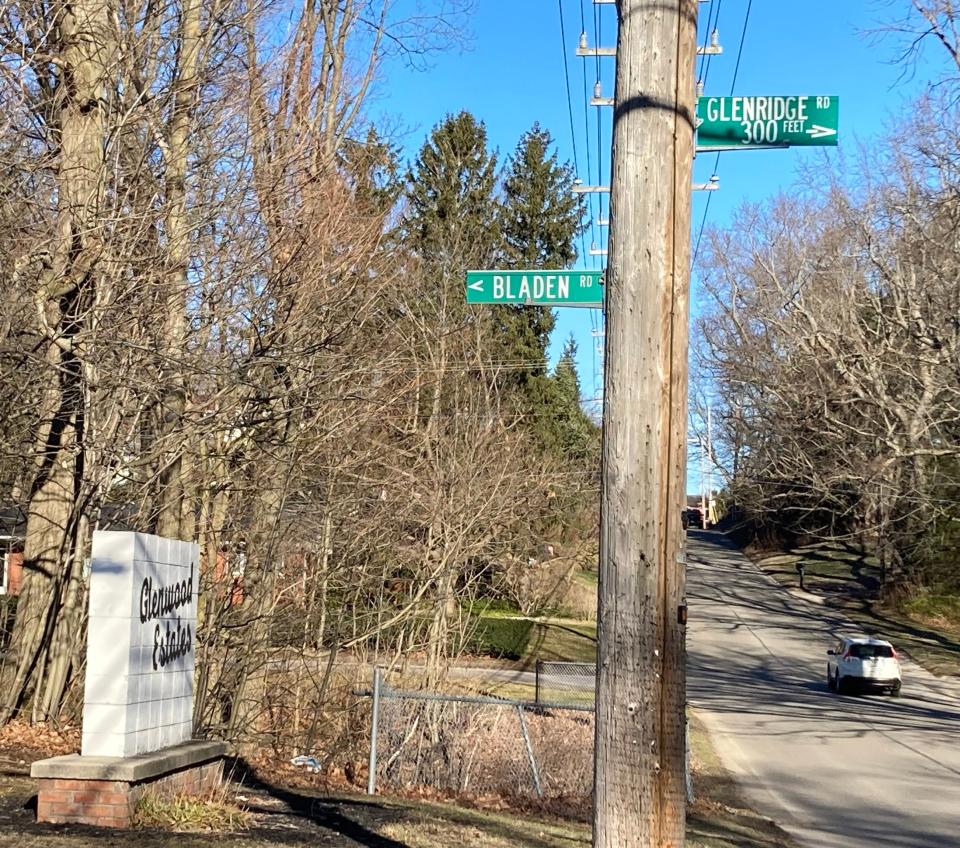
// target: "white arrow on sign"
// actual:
[[476, 286], [816, 131]]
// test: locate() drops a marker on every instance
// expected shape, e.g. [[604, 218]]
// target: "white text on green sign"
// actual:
[[736, 122], [536, 288]]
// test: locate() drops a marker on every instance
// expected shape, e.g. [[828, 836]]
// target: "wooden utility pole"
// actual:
[[641, 686]]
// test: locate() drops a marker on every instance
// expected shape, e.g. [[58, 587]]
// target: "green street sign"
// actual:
[[735, 123], [536, 288]]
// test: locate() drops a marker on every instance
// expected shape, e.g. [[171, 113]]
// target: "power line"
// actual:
[[586, 130], [743, 38], [716, 161], [573, 132], [597, 234], [598, 37], [705, 57]]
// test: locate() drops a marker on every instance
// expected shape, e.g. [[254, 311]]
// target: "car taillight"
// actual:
[[895, 654], [847, 656]]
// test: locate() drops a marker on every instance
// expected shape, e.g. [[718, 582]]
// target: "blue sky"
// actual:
[[511, 74]]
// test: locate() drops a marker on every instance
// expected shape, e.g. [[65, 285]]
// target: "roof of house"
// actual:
[[113, 516], [13, 521]]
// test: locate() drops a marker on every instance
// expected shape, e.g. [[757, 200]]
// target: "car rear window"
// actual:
[[865, 652]]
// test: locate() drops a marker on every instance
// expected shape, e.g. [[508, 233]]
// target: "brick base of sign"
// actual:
[[104, 791]]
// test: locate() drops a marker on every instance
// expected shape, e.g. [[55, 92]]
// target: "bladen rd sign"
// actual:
[[536, 288]]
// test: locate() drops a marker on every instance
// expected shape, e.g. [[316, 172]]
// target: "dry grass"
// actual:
[[718, 819], [433, 826], [218, 812]]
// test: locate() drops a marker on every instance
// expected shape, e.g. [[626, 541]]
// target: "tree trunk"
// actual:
[[173, 510], [51, 572]]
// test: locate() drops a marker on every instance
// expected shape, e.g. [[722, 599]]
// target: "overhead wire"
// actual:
[[598, 38], [586, 130], [598, 334], [716, 161], [573, 131], [704, 68]]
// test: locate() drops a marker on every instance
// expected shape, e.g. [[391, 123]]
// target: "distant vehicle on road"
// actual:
[[694, 516], [863, 662]]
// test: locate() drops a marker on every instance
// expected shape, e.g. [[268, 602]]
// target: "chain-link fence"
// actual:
[[476, 745], [573, 683]]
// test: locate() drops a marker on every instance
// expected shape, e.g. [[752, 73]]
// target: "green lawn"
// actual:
[[586, 578], [525, 640]]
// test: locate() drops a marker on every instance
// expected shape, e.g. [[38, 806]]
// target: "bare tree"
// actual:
[[835, 351]]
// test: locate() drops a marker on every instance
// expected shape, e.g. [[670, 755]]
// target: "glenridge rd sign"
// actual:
[[736, 122], [536, 288]]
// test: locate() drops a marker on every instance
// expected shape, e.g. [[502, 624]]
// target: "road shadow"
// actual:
[[735, 575], [757, 665]]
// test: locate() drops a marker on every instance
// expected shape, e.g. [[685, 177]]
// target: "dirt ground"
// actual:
[[311, 816], [282, 819], [285, 817]]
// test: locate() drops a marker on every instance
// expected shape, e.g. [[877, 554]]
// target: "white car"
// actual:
[[865, 662]]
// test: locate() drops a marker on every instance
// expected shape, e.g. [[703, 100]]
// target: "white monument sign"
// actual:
[[140, 644]]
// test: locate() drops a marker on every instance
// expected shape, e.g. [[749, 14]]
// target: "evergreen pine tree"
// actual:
[[372, 168], [451, 219], [565, 429], [541, 217], [540, 220]]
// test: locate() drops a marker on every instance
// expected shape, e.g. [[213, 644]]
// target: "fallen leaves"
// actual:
[[40, 740]]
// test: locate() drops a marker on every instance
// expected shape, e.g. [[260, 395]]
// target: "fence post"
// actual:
[[538, 668], [374, 727], [533, 761]]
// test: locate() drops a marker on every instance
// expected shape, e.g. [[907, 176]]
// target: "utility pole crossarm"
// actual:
[[613, 2], [584, 49], [712, 185]]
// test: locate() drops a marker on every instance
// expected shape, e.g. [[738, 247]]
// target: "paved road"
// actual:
[[836, 771]]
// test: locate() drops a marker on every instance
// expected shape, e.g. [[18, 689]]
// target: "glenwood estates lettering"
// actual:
[[171, 639]]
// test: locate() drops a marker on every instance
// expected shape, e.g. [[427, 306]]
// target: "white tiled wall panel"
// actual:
[[135, 702]]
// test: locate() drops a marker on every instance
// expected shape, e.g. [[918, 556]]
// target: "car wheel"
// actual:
[[895, 691], [831, 683], [841, 684]]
